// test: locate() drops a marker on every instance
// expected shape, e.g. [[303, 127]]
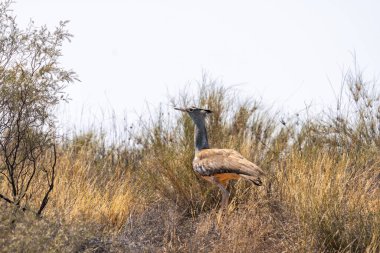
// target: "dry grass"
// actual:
[[335, 209], [321, 194], [95, 188]]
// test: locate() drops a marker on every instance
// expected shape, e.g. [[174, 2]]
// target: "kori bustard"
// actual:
[[218, 166]]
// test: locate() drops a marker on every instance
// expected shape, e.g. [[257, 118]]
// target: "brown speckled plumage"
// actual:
[[216, 162]]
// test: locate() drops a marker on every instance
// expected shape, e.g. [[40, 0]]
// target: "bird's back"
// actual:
[[226, 164]]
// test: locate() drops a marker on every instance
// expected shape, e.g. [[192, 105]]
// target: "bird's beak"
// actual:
[[179, 109]]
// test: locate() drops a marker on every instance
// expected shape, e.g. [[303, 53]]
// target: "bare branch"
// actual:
[[51, 183], [6, 199]]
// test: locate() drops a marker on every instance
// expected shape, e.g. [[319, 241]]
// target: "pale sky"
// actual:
[[132, 53]]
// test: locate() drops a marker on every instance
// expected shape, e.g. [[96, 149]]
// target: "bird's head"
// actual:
[[195, 112]]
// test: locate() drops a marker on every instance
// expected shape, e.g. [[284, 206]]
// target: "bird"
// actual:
[[218, 166]]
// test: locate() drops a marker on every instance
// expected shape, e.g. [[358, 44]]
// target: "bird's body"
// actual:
[[225, 164], [218, 166]]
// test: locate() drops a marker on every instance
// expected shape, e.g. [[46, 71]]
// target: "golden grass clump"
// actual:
[[335, 207], [95, 187]]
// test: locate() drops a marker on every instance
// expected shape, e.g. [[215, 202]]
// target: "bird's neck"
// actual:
[[200, 136]]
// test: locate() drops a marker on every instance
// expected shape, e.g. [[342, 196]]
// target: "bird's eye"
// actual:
[[191, 109]]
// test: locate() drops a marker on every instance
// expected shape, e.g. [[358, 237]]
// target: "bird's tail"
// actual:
[[255, 180]]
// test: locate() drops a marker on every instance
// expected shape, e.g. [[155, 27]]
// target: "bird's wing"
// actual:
[[209, 162]]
